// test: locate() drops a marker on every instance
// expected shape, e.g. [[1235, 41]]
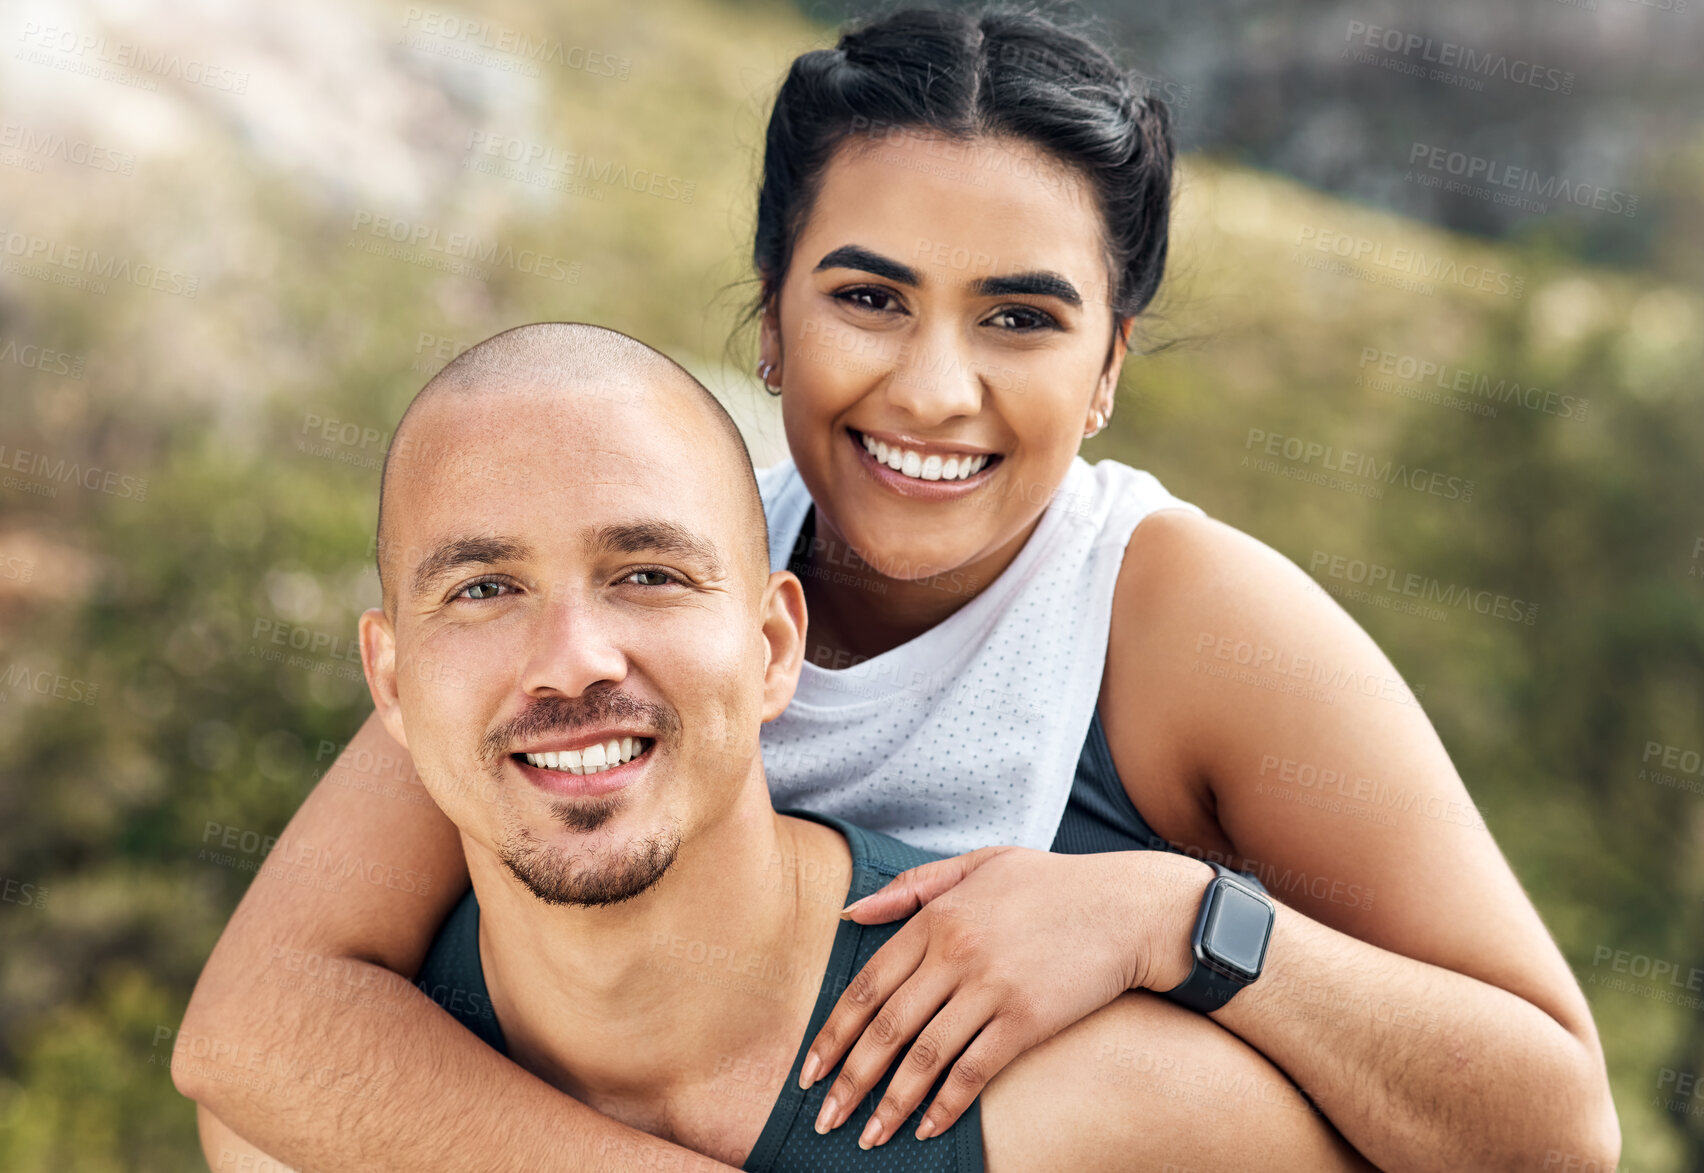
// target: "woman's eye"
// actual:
[[482, 590], [650, 578], [1022, 317], [879, 300]]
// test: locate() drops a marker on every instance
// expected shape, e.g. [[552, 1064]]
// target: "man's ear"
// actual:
[[378, 661], [784, 640]]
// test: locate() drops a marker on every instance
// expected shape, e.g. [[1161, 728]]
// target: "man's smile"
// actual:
[[585, 765]]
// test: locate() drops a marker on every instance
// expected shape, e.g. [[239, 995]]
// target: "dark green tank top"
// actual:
[[453, 977]]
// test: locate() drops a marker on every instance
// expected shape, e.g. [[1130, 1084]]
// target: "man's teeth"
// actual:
[[594, 759], [924, 468]]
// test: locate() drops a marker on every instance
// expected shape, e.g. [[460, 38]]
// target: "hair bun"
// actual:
[[960, 73]]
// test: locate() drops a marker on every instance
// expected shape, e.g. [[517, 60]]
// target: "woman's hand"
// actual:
[[1010, 947]]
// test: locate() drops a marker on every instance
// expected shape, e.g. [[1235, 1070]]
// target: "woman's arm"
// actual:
[[304, 1037], [1411, 989]]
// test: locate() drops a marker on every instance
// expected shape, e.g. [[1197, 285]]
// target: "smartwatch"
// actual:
[[1229, 943]]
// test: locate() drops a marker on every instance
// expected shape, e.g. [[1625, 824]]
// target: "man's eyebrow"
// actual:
[[1039, 284], [852, 256], [654, 535], [458, 552]]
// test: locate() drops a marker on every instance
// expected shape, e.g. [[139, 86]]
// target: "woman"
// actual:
[[961, 218]]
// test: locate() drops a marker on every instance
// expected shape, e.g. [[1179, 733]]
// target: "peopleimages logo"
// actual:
[[1474, 168], [21, 679], [1461, 58], [86, 53], [1471, 385], [1332, 459], [38, 145], [534, 161], [1427, 589], [454, 33], [1688, 765], [1411, 262], [454, 251], [42, 358], [62, 264], [60, 471]]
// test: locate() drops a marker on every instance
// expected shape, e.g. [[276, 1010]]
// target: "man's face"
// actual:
[[579, 659]]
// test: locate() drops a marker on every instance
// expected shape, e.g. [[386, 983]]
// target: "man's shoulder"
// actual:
[[876, 856]]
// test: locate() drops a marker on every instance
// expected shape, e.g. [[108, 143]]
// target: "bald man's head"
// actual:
[[619, 388], [581, 639]]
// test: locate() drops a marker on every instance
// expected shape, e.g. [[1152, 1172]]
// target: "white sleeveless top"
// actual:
[[969, 734]]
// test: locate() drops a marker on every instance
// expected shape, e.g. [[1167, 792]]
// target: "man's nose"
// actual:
[[575, 645]]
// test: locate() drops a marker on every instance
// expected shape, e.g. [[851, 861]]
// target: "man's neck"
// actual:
[[643, 1007]]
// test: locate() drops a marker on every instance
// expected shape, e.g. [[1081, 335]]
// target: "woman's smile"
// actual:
[[920, 469]]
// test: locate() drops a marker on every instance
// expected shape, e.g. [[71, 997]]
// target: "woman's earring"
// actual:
[[1099, 419], [764, 370]]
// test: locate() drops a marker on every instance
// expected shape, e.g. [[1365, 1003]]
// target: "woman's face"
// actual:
[[947, 305]]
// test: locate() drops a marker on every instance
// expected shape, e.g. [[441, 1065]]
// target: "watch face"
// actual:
[[1236, 930]]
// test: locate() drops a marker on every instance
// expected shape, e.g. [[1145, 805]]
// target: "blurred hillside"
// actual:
[[1575, 122], [205, 345]]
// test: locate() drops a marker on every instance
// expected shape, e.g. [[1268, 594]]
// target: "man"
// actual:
[[579, 642]]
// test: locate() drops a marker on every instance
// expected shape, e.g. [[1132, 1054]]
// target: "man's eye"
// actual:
[[485, 589], [650, 578]]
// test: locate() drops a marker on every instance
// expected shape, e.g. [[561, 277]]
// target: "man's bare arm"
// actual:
[[1145, 1085], [303, 1037], [225, 1150]]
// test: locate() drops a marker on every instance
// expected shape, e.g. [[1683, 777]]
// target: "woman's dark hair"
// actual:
[[965, 74]]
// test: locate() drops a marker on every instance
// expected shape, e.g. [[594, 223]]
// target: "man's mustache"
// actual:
[[571, 714]]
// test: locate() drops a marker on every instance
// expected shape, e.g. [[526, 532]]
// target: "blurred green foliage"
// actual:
[[254, 522]]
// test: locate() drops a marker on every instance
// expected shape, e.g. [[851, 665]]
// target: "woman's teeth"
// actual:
[[594, 759], [925, 468]]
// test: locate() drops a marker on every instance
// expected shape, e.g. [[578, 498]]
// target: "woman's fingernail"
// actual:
[[847, 911], [872, 1133], [926, 1129], [808, 1073], [825, 1118]]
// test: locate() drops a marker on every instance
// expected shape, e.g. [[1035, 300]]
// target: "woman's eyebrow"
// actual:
[[1038, 284], [852, 256]]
